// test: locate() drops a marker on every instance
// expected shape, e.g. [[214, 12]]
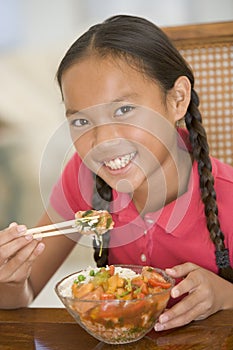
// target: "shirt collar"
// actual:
[[172, 218], [186, 210], [176, 216]]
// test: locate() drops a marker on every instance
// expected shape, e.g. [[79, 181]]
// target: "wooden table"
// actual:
[[55, 329]]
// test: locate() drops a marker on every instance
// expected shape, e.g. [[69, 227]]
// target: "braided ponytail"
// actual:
[[101, 198], [200, 151]]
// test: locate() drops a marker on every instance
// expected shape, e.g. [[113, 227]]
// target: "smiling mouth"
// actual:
[[120, 162]]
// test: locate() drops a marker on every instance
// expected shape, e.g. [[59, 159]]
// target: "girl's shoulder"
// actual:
[[223, 183], [223, 176], [75, 169], [74, 189], [222, 172], [76, 174], [73, 163]]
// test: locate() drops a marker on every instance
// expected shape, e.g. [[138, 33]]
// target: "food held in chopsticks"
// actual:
[[99, 221], [96, 222]]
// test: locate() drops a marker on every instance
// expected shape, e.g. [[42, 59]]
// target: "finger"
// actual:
[[13, 224], [10, 265], [185, 286], [165, 322], [11, 233], [181, 270], [25, 269], [9, 249], [191, 307], [18, 266], [181, 314]]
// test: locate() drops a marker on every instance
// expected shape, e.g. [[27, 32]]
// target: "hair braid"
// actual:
[[200, 150], [101, 198]]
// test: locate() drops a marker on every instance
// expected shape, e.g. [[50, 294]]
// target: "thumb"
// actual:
[[13, 224]]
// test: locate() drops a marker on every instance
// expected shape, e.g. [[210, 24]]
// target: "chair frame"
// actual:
[[202, 32], [194, 39]]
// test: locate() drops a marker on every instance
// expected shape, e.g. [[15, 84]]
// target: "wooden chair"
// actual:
[[208, 48]]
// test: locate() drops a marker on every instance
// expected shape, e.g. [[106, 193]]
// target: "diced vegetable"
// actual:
[[120, 299]]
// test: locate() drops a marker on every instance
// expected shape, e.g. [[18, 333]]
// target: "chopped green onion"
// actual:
[[123, 294], [99, 241], [150, 269], [128, 286], [88, 212], [138, 290], [109, 221]]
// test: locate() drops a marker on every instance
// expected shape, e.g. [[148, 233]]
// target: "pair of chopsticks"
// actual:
[[62, 228]]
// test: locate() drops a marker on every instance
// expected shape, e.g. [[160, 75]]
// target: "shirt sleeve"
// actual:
[[73, 191]]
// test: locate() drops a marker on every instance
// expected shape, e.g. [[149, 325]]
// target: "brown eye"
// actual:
[[79, 122], [123, 110]]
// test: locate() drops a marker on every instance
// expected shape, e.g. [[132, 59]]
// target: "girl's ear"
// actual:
[[180, 97]]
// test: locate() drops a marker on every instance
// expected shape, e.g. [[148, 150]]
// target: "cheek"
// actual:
[[82, 144], [153, 151]]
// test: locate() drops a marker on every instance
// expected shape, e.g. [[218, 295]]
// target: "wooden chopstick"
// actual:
[[61, 228], [48, 229], [55, 233]]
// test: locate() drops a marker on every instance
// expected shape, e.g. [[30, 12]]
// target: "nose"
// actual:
[[106, 136], [106, 142]]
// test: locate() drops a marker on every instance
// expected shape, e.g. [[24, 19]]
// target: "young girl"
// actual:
[[125, 89]]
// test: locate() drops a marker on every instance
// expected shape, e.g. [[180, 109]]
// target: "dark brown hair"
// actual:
[[143, 43]]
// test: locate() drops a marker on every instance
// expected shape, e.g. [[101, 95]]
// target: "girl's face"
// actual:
[[121, 124]]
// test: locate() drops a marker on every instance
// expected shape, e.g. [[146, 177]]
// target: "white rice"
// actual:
[[65, 287], [125, 272]]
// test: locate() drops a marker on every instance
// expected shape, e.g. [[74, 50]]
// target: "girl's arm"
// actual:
[[27, 264], [207, 294], [17, 254]]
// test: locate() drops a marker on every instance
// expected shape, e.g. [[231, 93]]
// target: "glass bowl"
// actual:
[[115, 321]]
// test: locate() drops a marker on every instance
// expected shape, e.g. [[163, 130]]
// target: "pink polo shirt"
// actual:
[[173, 235]]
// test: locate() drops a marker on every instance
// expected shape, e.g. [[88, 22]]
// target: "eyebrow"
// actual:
[[123, 98], [69, 112]]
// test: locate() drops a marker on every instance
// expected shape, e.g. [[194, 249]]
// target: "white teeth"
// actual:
[[120, 162]]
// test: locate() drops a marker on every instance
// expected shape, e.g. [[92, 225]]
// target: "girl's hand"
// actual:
[[17, 253], [207, 294]]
